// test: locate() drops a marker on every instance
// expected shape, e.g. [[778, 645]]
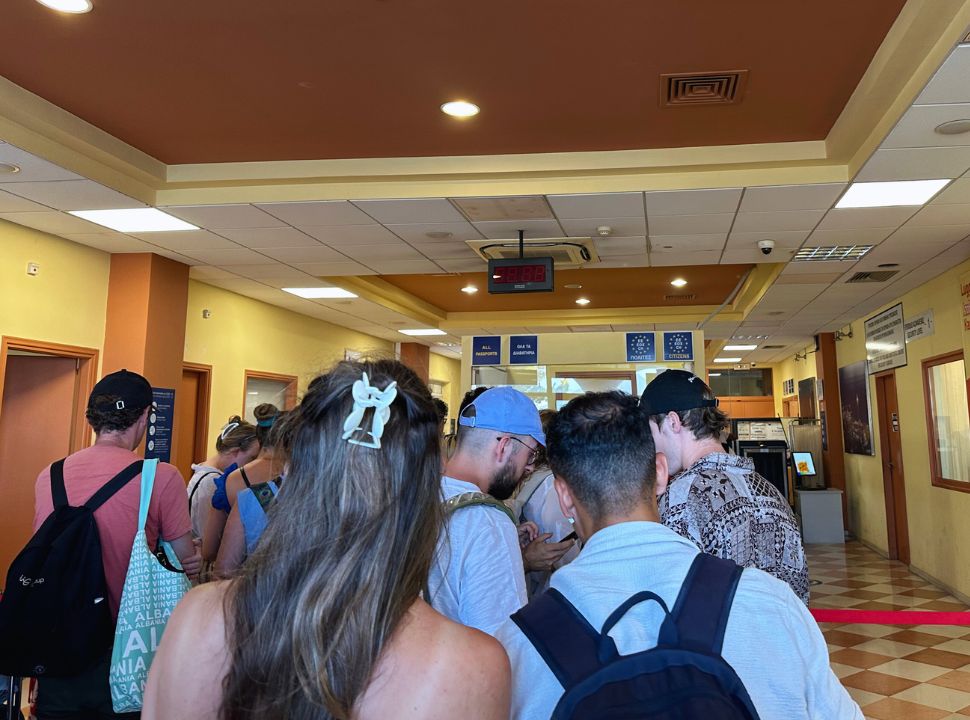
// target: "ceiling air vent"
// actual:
[[708, 88], [678, 298], [565, 252], [876, 276], [831, 253]]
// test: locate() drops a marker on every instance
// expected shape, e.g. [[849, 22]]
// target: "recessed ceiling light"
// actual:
[[9, 168], [316, 293], [727, 360], [678, 282], [421, 332], [953, 127], [582, 301], [831, 253], [469, 289], [135, 220], [75, 7], [713, 374], [739, 348], [460, 109], [890, 194]]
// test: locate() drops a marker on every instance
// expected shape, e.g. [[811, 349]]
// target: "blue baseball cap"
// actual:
[[506, 410]]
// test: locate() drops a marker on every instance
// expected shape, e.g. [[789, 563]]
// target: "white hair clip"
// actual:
[[365, 396]]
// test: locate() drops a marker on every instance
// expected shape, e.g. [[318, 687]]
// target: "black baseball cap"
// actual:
[[675, 391], [133, 392]]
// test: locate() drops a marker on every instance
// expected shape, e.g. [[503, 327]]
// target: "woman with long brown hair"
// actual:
[[325, 619]]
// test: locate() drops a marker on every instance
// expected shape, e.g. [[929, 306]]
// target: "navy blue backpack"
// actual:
[[683, 678]]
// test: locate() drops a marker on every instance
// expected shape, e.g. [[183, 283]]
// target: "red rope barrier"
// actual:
[[890, 617]]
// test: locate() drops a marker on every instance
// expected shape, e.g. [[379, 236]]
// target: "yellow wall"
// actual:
[[448, 372], [790, 370], [65, 303], [245, 334], [938, 530]]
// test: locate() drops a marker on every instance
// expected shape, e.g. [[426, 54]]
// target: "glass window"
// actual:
[[948, 419], [741, 383], [280, 390]]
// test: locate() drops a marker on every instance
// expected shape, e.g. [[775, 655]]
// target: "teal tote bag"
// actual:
[[150, 595]]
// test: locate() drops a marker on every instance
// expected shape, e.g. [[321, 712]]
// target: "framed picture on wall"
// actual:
[[856, 417]]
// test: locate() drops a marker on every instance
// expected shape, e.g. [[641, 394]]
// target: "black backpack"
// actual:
[[55, 619], [683, 678]]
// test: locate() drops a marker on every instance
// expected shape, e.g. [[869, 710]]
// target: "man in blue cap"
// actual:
[[477, 578]]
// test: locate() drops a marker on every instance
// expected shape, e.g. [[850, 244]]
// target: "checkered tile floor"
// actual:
[[894, 672]]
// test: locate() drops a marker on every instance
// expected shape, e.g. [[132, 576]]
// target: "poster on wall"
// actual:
[[886, 340], [856, 418], [158, 438]]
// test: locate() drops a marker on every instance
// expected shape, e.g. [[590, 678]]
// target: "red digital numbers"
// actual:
[[520, 274]]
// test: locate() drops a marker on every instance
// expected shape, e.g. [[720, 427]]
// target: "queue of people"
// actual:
[[605, 558]]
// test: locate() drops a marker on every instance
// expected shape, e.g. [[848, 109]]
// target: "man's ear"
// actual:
[[663, 476], [673, 421], [566, 502]]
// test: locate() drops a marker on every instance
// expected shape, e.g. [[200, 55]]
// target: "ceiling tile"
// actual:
[[222, 258], [692, 202], [291, 256], [864, 236], [442, 251], [458, 266], [860, 218], [353, 235], [207, 272], [183, 240], [795, 279], [53, 222], [177, 257], [690, 224], [509, 229], [32, 168], [419, 232], [738, 257], [929, 163], [824, 268], [267, 271], [915, 127], [74, 195], [620, 227], [941, 215], [431, 210], [616, 205], [111, 242], [749, 240], [612, 246], [335, 212], [215, 217], [14, 203], [395, 251], [624, 261], [916, 234], [403, 267], [334, 268], [791, 197], [748, 222], [956, 192], [949, 84], [687, 243], [259, 238], [710, 257]]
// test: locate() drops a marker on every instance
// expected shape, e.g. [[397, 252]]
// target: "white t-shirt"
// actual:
[[772, 641], [476, 578], [540, 504], [202, 500]]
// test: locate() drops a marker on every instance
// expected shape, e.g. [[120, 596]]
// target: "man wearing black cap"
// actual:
[[717, 500], [118, 412]]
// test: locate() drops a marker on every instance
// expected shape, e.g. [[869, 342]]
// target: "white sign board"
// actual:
[[760, 430], [920, 326], [886, 340]]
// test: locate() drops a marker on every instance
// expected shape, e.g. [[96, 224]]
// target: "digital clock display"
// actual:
[[518, 275]]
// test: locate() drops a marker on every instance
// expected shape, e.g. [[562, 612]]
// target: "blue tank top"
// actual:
[[252, 515]]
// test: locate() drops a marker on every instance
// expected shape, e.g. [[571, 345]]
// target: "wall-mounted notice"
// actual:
[[886, 340], [641, 347], [487, 350], [158, 441], [920, 326], [524, 350], [679, 345]]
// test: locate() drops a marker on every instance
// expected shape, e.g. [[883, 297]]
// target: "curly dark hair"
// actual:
[[103, 416]]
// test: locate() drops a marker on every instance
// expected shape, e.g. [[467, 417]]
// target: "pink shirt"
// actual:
[[84, 473]]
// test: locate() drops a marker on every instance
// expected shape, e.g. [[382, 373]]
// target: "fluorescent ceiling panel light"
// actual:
[[890, 194], [830, 253], [421, 332], [727, 360], [739, 348], [316, 293], [713, 374], [135, 220]]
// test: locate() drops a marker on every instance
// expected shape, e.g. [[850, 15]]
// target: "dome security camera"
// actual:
[[766, 246]]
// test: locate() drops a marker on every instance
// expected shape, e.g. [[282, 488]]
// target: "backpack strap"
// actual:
[[195, 489], [704, 603], [113, 485], [561, 635], [245, 477], [58, 491], [469, 499]]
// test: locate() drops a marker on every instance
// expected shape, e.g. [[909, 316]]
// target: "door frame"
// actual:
[[289, 399], [87, 377], [201, 440], [893, 481]]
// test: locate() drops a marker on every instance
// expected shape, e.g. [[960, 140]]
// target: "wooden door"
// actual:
[[192, 418], [891, 454], [39, 400]]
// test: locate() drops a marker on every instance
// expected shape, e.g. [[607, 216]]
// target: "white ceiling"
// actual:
[[256, 249]]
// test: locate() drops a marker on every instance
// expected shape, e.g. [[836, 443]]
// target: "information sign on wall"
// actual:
[[487, 350], [920, 326], [524, 350], [158, 440], [679, 345], [886, 340], [641, 347]]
